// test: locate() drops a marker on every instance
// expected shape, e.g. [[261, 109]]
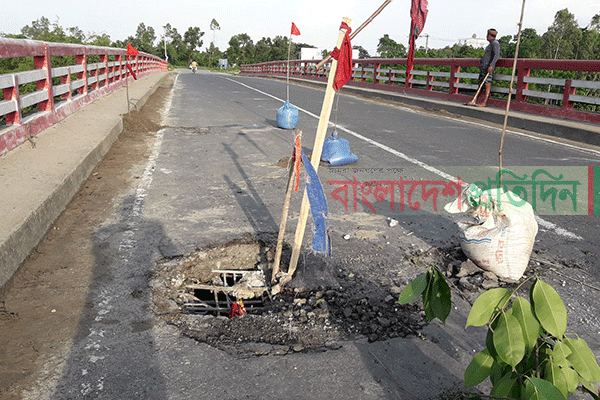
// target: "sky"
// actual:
[[448, 21]]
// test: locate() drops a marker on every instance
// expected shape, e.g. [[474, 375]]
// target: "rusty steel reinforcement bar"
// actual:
[[80, 84]]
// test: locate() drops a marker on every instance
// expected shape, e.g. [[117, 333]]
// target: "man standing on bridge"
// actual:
[[488, 64]]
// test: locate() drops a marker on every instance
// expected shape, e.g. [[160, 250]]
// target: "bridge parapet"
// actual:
[[558, 88], [37, 98]]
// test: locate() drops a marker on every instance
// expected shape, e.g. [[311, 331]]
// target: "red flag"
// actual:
[[131, 70], [295, 30], [344, 57], [131, 51], [418, 14]]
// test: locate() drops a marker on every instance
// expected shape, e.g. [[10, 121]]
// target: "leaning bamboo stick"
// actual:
[[512, 81], [316, 157], [284, 215], [360, 28]]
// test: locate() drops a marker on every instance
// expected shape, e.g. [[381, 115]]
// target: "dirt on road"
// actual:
[[350, 296], [42, 305]]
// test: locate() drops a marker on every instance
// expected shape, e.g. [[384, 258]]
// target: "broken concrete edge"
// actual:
[[27, 236]]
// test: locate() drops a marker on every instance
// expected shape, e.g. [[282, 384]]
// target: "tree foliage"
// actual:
[[564, 39]]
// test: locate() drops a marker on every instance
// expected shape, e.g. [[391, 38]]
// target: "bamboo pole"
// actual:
[[512, 81], [284, 215], [288, 68], [360, 28], [316, 157]]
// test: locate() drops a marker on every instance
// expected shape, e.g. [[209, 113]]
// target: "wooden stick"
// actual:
[[512, 81], [472, 102], [288, 68], [284, 215], [316, 156], [360, 28]]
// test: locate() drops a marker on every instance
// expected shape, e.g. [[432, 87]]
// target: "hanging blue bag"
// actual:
[[337, 151], [287, 116]]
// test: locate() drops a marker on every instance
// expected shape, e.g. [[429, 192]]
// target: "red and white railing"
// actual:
[[427, 80], [61, 90]]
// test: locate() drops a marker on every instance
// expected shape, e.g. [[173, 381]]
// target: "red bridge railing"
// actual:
[[59, 91], [537, 90]]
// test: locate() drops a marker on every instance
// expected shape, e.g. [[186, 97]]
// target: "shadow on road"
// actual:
[[114, 353]]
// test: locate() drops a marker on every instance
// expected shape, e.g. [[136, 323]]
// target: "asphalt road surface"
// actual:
[[213, 177]]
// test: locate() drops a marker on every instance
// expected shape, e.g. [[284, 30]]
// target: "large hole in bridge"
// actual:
[[325, 303], [210, 280]]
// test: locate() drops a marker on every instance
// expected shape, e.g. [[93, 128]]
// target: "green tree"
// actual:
[[192, 39], [100, 39], [175, 45], [531, 44], [507, 46], [144, 38], [39, 29], [241, 49], [214, 26], [362, 53], [264, 50], [388, 48], [562, 37], [280, 49]]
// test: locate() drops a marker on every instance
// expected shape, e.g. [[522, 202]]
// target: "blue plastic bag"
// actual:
[[287, 116], [337, 151]]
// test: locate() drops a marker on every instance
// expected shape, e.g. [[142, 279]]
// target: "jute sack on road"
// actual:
[[500, 230]]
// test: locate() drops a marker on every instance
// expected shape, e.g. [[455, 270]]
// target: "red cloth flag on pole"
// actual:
[[131, 51], [295, 30], [418, 14], [344, 57]]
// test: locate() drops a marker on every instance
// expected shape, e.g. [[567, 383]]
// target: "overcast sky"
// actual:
[[448, 21]]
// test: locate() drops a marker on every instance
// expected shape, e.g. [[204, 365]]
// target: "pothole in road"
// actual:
[[196, 292], [194, 130]]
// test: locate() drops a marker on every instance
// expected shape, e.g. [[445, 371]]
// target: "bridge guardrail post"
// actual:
[[568, 90], [12, 93], [43, 62], [454, 69], [66, 80], [522, 73], [82, 60]]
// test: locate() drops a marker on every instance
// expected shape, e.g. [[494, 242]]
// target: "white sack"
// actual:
[[497, 236]]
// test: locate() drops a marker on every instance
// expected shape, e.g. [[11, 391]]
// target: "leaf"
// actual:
[[583, 360], [540, 389], [560, 353], [413, 290], [479, 369], [557, 376], [441, 303], [531, 327], [591, 393], [497, 371], [489, 343], [549, 309], [427, 296], [508, 339], [508, 387], [487, 306]]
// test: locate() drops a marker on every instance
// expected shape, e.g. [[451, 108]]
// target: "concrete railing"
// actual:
[[533, 90], [92, 72]]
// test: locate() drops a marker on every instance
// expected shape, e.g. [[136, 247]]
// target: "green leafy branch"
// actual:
[[528, 354]]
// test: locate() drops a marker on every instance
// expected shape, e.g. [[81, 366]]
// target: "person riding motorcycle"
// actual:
[[193, 66]]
